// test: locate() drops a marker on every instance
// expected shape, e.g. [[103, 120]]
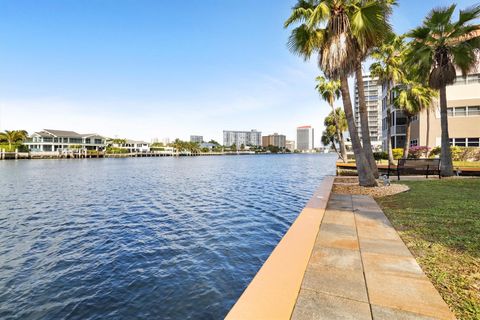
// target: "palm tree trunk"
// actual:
[[427, 138], [367, 145], [389, 126], [446, 165], [343, 151], [335, 147], [365, 174], [406, 148], [389, 137]]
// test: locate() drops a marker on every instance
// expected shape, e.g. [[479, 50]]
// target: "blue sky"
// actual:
[[146, 69]]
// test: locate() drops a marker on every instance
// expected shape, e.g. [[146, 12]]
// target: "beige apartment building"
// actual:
[[277, 140], [463, 101]]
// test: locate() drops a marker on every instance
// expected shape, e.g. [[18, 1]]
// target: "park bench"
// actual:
[[416, 166]]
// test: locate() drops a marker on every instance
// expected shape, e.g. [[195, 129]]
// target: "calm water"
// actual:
[[143, 238]]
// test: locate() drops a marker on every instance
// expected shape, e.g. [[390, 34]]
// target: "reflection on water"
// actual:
[[143, 238]]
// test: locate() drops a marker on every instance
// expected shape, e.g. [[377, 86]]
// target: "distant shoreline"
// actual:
[[100, 155]]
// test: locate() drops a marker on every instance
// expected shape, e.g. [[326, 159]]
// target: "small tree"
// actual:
[[13, 136]]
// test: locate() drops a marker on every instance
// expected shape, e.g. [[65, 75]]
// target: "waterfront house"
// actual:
[[49, 140], [132, 146]]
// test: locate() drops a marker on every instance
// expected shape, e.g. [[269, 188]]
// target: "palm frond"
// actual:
[[467, 15], [304, 41]]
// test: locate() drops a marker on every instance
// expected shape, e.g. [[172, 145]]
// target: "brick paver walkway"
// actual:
[[361, 269]]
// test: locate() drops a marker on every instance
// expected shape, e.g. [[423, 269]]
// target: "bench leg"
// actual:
[[398, 174], [427, 171]]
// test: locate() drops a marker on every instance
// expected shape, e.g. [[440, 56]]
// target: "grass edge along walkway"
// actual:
[[361, 269], [439, 221]]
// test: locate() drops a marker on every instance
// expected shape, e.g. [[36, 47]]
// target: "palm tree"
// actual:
[[336, 122], [439, 48], [342, 32], [389, 69], [329, 137], [411, 98], [330, 91], [13, 136], [179, 146]]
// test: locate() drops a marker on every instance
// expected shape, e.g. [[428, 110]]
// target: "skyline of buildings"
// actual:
[[52, 140]]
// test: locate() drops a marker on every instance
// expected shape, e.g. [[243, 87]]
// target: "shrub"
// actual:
[[459, 153], [380, 155], [20, 147], [435, 152], [456, 153], [116, 150], [418, 152], [397, 153]]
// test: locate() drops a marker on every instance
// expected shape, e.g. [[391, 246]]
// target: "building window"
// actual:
[[460, 142], [470, 111], [98, 141], [87, 140], [465, 142], [474, 111], [474, 142], [460, 112], [473, 78], [470, 79]]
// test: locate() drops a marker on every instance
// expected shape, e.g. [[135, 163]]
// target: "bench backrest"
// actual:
[[419, 163]]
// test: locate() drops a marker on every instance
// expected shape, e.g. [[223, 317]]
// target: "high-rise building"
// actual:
[[373, 99], [305, 138], [198, 139], [290, 145], [463, 107], [276, 140], [239, 138]]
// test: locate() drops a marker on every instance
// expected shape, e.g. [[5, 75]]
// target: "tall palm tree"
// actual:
[[389, 69], [330, 91], [341, 32], [13, 136], [411, 98], [440, 47]]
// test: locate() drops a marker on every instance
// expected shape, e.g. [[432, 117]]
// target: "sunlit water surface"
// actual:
[[145, 238]]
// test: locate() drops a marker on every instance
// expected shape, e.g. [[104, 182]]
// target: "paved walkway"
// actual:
[[361, 269]]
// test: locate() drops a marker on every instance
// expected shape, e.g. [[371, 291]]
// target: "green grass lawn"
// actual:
[[439, 220]]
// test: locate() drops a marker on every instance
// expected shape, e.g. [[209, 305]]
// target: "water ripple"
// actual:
[[143, 238]]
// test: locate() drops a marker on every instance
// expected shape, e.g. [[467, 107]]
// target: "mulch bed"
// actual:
[[344, 185]]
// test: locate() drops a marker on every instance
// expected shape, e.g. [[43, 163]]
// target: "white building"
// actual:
[[373, 99], [197, 139], [239, 138], [61, 140], [305, 138], [290, 145], [132, 146]]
